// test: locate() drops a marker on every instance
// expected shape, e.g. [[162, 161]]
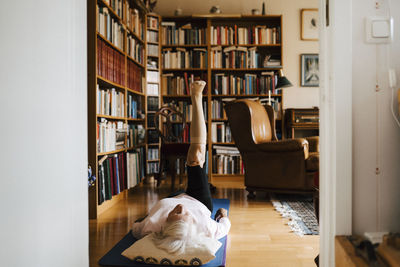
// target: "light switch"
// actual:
[[380, 29]]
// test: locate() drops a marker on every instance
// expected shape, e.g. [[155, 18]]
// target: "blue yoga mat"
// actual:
[[114, 257]]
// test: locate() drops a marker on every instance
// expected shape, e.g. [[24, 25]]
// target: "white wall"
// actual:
[[296, 96], [376, 137], [43, 138]]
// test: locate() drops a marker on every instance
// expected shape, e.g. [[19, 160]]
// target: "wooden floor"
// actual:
[[258, 236]]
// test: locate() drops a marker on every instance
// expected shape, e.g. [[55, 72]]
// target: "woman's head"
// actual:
[[174, 236]]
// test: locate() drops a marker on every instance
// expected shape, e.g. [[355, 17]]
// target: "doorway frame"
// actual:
[[335, 44]]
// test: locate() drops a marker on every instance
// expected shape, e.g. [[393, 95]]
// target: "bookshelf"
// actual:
[[152, 92], [238, 57], [116, 99]]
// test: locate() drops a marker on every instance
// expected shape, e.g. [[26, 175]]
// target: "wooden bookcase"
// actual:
[[152, 91], [272, 46], [111, 66]]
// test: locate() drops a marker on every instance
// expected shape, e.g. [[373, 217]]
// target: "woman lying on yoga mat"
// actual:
[[184, 220]]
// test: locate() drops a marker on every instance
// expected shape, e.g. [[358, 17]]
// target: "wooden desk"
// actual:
[[302, 119]]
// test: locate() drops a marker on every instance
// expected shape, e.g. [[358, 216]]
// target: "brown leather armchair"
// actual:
[[270, 164]]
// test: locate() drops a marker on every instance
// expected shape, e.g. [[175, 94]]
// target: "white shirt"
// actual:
[[200, 213]]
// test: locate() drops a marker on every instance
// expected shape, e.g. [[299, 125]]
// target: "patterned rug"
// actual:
[[300, 212]]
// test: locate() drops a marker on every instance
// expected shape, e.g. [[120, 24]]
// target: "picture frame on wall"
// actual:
[[309, 67], [309, 24]]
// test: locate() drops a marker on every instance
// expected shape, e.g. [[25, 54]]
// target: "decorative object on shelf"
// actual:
[[263, 9], [255, 11], [178, 11], [91, 177], [215, 10], [309, 70], [309, 24], [282, 81], [150, 4]]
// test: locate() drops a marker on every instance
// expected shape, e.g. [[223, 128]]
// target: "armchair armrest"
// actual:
[[284, 145], [313, 142]]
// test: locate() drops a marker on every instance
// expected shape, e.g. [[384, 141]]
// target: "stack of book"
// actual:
[[135, 49], [135, 167], [260, 34], [185, 35], [152, 154], [221, 132], [112, 176], [217, 109], [134, 76], [134, 22], [153, 167], [152, 103], [152, 36], [227, 160], [180, 85], [117, 6], [235, 57], [136, 135], [110, 63], [134, 107], [110, 28], [110, 102], [183, 58], [110, 135], [152, 50], [245, 85]]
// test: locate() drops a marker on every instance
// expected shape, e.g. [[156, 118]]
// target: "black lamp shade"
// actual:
[[283, 82]]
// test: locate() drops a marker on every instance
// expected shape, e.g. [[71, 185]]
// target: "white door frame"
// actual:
[[335, 126]]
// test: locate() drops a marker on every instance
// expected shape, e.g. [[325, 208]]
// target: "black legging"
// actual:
[[198, 187]]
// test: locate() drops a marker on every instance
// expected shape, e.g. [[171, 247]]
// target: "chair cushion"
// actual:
[[312, 163]]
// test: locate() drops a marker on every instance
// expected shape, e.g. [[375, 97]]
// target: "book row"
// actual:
[[244, 85], [261, 34], [235, 57], [183, 58], [221, 133], [152, 23], [152, 36], [110, 28], [110, 63], [134, 107], [153, 167], [112, 176], [152, 50], [152, 137], [134, 22], [185, 108], [153, 76], [135, 76], [152, 103], [217, 109], [110, 135], [180, 85], [119, 172], [152, 154], [110, 102], [135, 49], [177, 130], [117, 6], [136, 135], [227, 164], [185, 35], [152, 89]]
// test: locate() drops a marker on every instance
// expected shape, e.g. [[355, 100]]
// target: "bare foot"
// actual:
[[197, 87]]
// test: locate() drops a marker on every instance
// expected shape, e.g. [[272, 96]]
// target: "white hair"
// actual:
[[176, 236]]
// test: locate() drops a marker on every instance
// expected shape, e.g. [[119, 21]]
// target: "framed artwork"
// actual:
[[309, 24], [309, 65]]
